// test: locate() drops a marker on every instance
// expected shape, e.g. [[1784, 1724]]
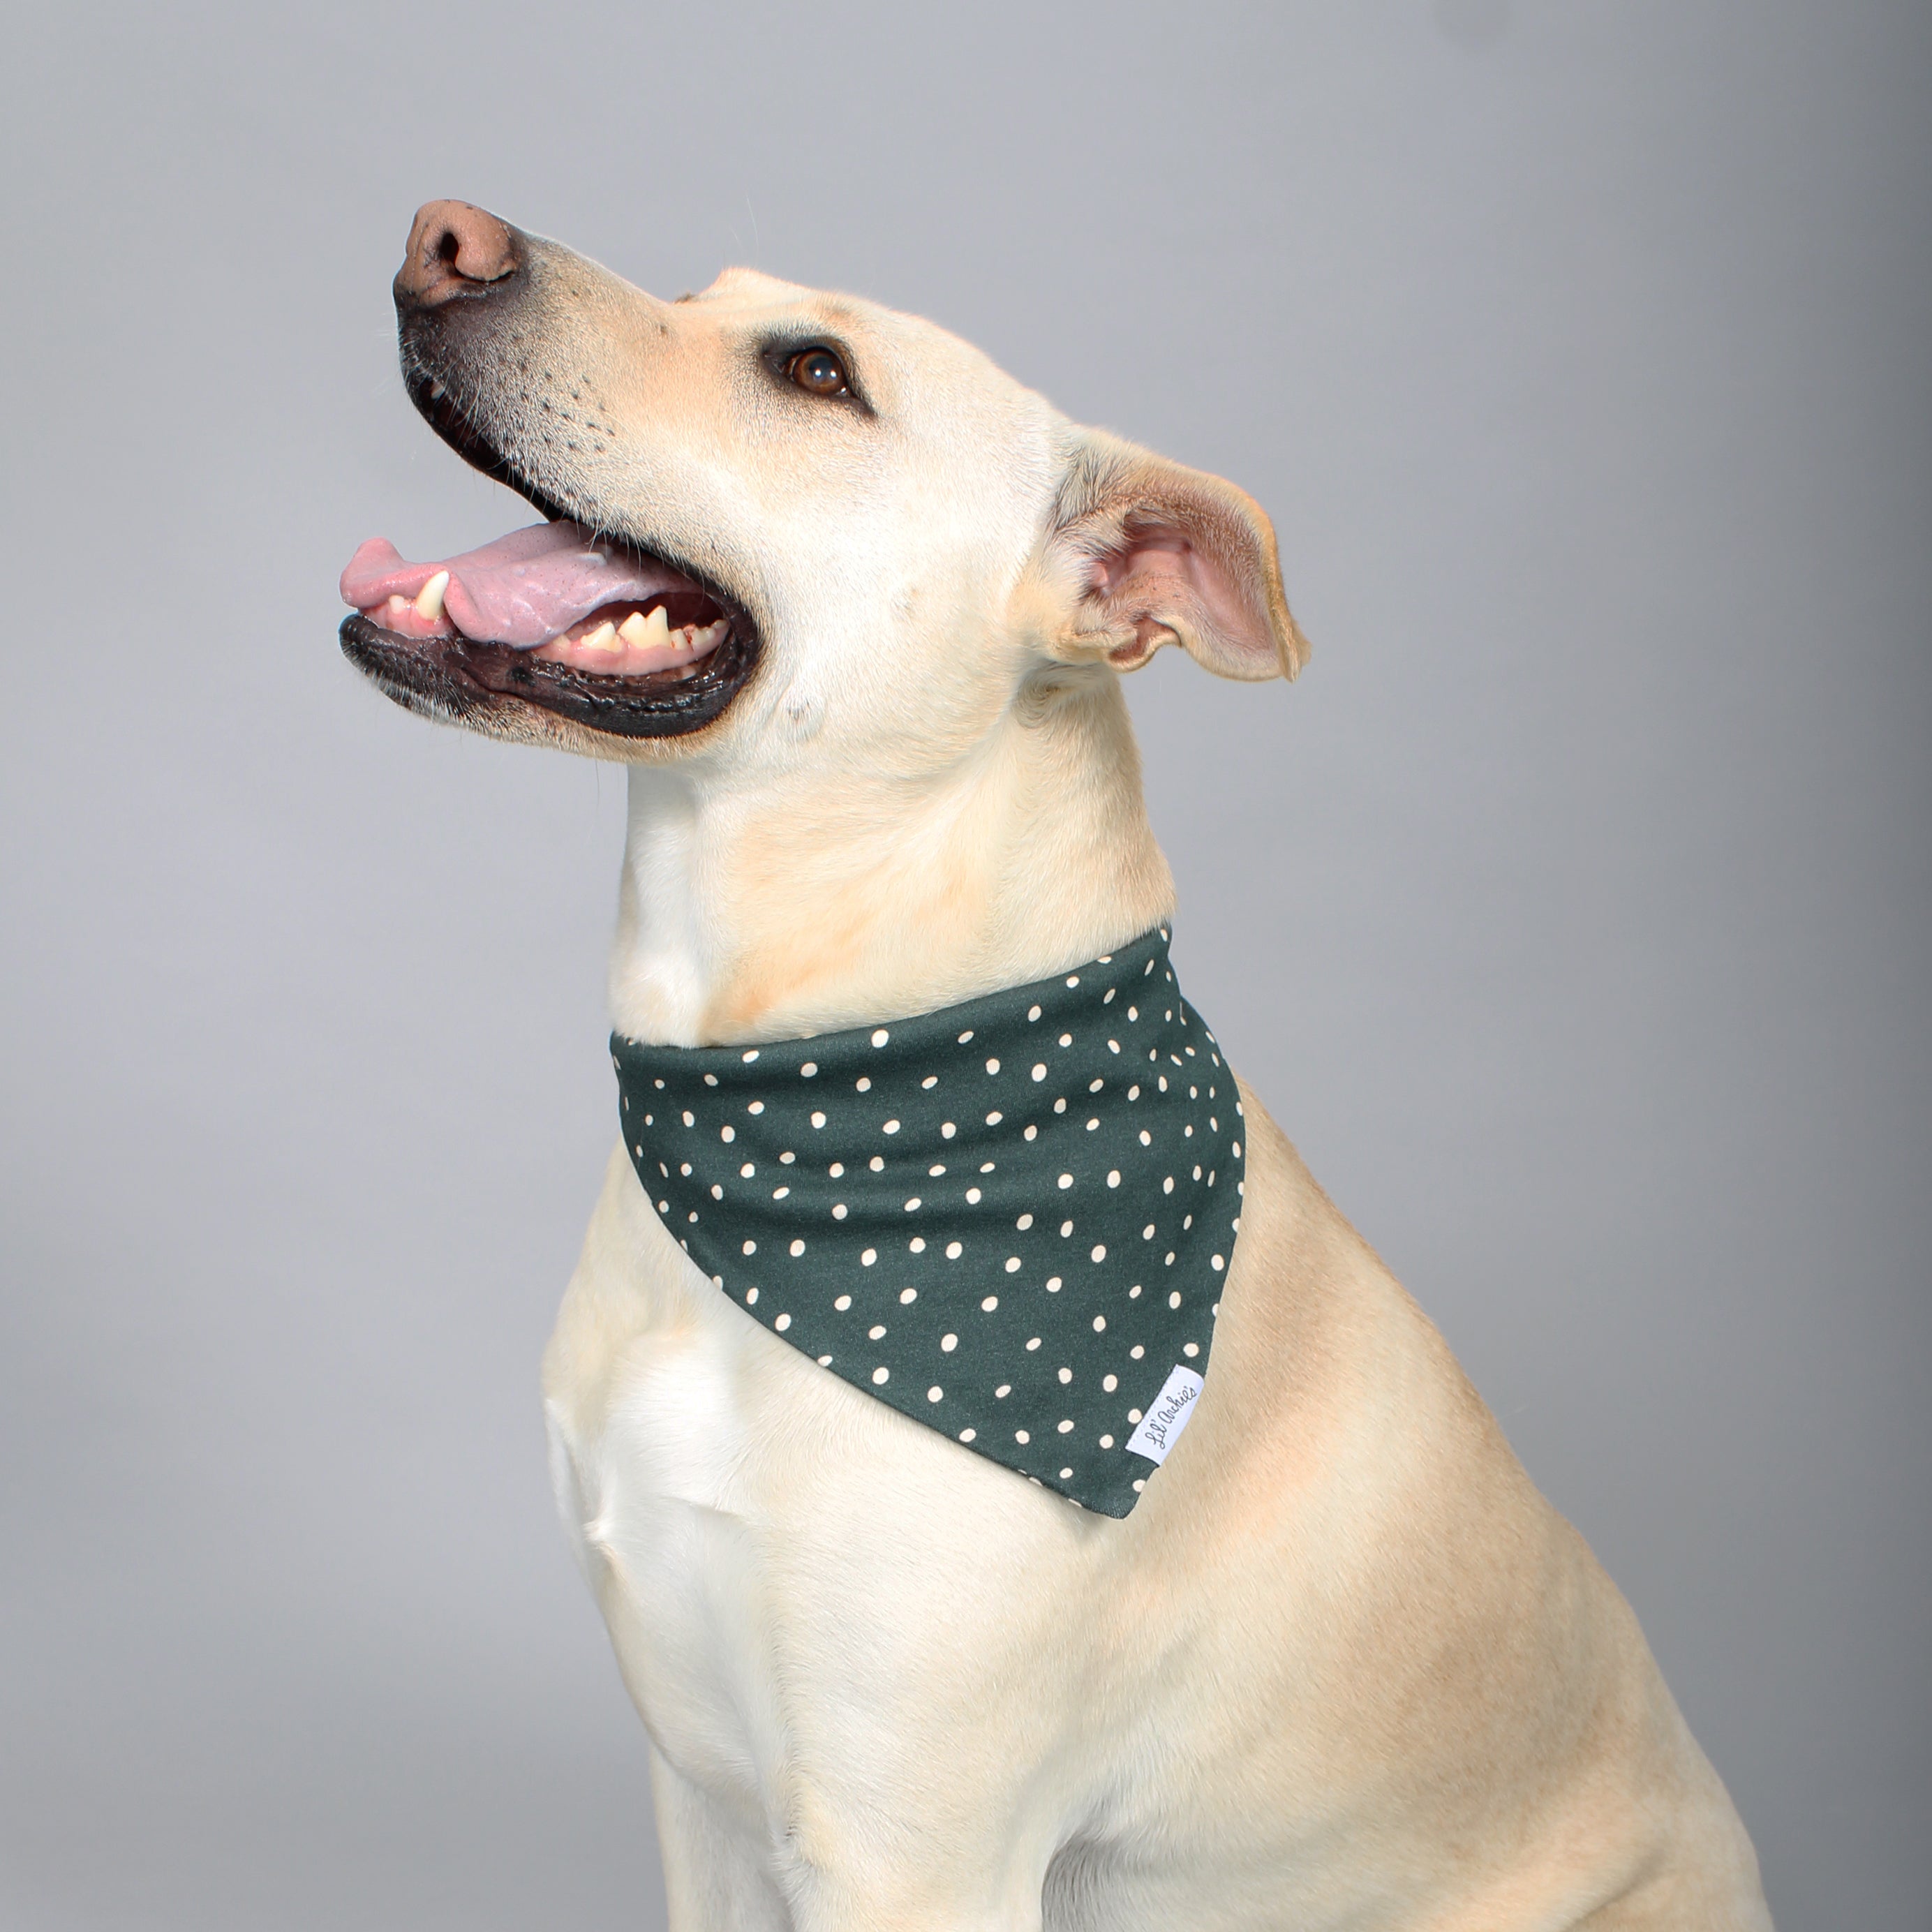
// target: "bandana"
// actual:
[[1009, 1220]]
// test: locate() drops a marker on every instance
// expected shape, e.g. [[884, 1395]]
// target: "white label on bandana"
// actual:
[[1173, 1408]]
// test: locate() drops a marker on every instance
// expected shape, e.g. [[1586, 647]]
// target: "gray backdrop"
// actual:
[[1571, 912]]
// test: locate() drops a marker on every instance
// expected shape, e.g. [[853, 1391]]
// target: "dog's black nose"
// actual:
[[453, 250]]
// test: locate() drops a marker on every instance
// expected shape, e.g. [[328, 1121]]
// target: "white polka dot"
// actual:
[[810, 1067], [1064, 1475], [1094, 1086], [873, 1333], [1190, 1348], [750, 1247], [1060, 1105], [972, 1196], [1033, 1133], [1066, 1374], [1020, 1435], [992, 1302], [727, 1133], [931, 1081], [1099, 1254], [1073, 979], [1106, 1442], [935, 1394], [787, 1158], [711, 1080], [992, 1066], [798, 1247], [953, 1251], [1174, 1300], [1133, 1415], [948, 1343], [965, 1037], [967, 1435], [1147, 1233], [882, 1374], [689, 1121], [947, 1130], [1066, 1039], [880, 1036], [844, 1302], [1110, 1383], [1147, 1139], [1216, 1262], [877, 1163], [782, 1323], [1137, 1351], [1039, 1071], [1067, 1180], [1113, 1176], [1067, 1426], [1099, 1324], [1033, 1012], [825, 1361], [1033, 1344], [1140, 1484], [839, 1210], [1066, 1228], [1053, 1284], [1024, 1223], [890, 1127], [1013, 1264], [818, 1119], [907, 1295], [717, 1193], [863, 1084], [993, 1119], [745, 1172], [912, 1206], [868, 1257], [751, 1296]]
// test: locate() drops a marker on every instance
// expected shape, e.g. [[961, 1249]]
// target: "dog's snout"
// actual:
[[453, 250]]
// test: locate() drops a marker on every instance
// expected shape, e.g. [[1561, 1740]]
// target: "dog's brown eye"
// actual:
[[819, 371]]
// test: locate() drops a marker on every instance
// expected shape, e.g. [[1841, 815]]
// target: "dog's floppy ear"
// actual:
[[1143, 552]]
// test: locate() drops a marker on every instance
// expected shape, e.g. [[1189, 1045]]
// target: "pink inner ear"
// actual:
[[1160, 578]]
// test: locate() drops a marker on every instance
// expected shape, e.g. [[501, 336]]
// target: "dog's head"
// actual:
[[774, 515]]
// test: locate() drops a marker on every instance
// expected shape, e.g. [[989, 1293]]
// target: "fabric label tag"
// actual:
[[1160, 1428]]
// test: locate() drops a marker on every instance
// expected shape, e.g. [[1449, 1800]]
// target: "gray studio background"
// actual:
[[1571, 912]]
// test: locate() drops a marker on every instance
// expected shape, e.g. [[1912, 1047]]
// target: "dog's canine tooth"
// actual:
[[632, 629], [604, 638], [657, 626], [429, 598]]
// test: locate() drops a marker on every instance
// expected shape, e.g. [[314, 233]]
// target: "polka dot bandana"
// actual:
[[1010, 1219]]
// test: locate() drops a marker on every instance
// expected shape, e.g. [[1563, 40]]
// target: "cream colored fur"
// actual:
[[1343, 1666]]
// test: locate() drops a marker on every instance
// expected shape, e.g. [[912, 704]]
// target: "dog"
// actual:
[[853, 608]]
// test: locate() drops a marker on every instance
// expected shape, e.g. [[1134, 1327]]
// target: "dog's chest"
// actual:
[[782, 1561]]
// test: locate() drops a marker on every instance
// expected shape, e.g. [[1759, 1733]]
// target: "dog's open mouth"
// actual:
[[552, 616]]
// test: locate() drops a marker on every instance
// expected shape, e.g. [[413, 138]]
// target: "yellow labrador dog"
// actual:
[[853, 608]]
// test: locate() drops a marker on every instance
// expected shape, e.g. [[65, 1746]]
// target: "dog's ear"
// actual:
[[1143, 552]]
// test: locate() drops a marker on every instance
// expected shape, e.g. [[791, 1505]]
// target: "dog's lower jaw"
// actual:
[[756, 908]]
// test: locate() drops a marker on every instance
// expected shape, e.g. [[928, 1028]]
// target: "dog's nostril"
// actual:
[[447, 248]]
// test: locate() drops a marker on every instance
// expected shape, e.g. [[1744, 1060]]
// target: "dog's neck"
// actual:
[[758, 905]]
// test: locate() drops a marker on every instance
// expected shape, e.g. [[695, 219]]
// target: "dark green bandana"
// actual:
[[1009, 1220]]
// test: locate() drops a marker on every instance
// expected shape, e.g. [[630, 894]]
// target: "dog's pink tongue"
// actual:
[[523, 589]]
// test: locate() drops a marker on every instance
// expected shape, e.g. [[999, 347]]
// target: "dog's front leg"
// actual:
[[715, 1879]]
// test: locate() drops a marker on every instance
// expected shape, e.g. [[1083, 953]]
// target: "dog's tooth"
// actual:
[[604, 638], [710, 636], [429, 598], [657, 626], [632, 629]]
